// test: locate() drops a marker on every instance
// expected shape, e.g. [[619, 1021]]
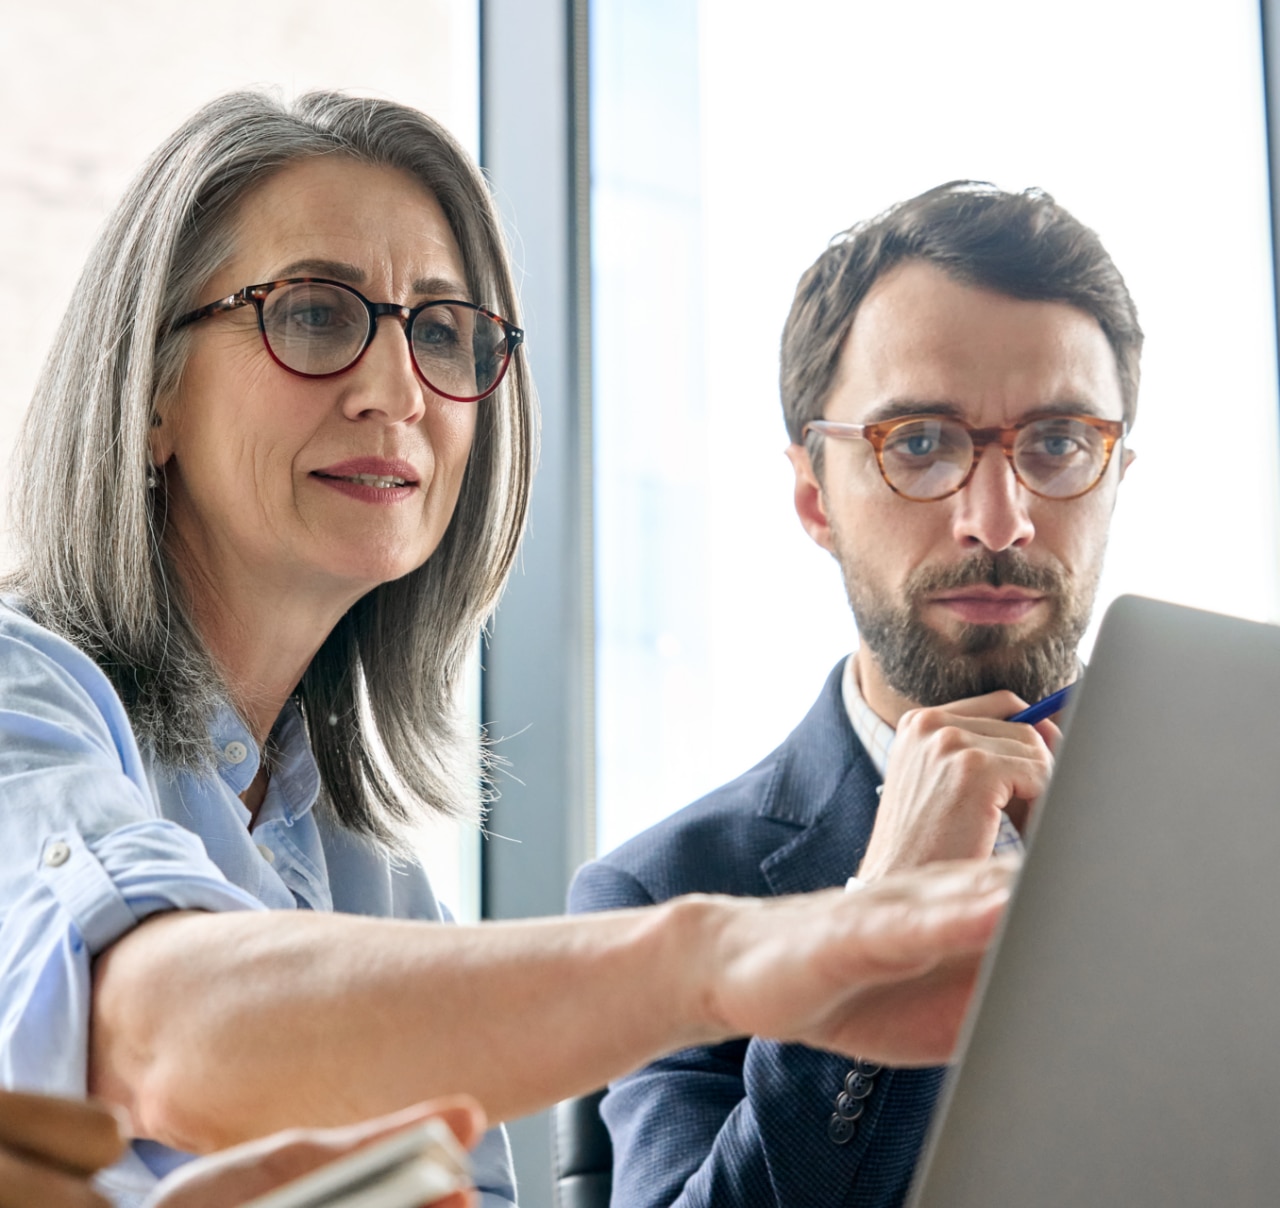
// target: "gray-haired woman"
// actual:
[[272, 482]]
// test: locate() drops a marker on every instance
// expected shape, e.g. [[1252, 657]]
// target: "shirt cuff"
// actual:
[[110, 886]]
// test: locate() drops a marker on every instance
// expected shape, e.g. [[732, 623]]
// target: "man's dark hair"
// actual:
[[1023, 245]]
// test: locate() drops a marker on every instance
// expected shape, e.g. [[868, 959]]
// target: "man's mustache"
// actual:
[[1007, 568]]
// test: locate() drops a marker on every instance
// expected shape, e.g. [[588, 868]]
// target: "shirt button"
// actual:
[[235, 752], [267, 854], [56, 855]]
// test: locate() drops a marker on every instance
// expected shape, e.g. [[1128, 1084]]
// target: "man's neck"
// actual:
[[887, 704]]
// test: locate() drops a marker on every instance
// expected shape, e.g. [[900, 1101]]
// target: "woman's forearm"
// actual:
[[213, 1028]]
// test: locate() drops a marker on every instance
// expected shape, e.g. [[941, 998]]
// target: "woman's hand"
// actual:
[[885, 972], [233, 1176], [50, 1148]]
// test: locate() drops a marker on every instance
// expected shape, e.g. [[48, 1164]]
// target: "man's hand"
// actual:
[[49, 1149], [233, 1176], [885, 973], [952, 771]]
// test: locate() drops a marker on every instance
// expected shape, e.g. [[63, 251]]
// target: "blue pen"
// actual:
[[1045, 708]]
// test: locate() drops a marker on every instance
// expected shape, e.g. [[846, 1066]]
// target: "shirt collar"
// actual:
[[875, 734]]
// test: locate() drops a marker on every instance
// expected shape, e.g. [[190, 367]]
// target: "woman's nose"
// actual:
[[385, 384]]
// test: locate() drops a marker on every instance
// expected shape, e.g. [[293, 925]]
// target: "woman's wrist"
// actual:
[[695, 931]]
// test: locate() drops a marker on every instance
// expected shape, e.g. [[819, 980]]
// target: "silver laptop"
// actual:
[[1125, 1047]]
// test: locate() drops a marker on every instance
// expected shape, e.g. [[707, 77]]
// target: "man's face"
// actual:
[[992, 586]]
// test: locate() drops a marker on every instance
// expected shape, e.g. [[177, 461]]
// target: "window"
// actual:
[[718, 178]]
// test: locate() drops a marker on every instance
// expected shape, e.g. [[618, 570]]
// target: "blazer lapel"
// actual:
[[824, 782]]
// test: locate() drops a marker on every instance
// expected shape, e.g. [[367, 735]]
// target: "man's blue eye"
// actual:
[[1059, 446], [920, 445]]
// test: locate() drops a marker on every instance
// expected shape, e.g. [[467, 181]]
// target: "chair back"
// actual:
[[583, 1154]]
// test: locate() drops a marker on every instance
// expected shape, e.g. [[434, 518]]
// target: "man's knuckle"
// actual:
[[951, 739]]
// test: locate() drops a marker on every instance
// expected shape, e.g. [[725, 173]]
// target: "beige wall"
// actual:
[[87, 89]]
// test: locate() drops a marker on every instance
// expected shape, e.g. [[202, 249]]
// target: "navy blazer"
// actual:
[[749, 1122]]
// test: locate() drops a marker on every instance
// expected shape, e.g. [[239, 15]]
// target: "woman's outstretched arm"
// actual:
[[214, 1028]]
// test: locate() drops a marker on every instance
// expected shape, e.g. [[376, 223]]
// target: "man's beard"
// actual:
[[926, 667]]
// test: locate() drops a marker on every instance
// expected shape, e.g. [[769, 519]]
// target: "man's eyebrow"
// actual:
[[350, 274], [1066, 406], [905, 408]]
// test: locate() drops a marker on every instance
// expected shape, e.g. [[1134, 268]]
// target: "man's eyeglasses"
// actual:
[[928, 457], [318, 328]]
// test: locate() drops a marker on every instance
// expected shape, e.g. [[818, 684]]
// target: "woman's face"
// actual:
[[277, 484]]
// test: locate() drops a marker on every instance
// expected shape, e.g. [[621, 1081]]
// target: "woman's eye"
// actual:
[[312, 317], [434, 333]]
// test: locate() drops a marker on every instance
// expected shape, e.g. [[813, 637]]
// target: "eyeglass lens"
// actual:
[[315, 328], [928, 458]]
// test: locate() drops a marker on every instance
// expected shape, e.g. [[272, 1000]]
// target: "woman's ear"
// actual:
[[159, 442]]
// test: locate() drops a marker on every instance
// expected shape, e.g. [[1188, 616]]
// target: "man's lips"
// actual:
[[979, 605]]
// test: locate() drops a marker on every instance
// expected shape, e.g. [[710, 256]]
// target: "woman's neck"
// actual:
[[261, 643]]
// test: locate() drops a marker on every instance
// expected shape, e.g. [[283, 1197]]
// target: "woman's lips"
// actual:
[[370, 479], [989, 608]]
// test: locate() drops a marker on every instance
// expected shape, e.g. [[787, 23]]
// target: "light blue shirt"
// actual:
[[96, 835]]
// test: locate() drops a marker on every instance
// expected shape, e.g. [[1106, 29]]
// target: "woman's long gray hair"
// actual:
[[379, 698]]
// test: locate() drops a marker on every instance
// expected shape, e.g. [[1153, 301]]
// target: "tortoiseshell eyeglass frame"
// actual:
[[256, 295], [1112, 431]]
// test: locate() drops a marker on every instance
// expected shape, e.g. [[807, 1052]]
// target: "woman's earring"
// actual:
[[153, 479]]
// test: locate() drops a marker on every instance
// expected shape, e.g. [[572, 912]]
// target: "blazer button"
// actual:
[[858, 1086], [841, 1130], [847, 1108], [869, 1068]]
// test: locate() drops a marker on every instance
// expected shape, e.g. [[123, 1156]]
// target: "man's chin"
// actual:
[[932, 667], [964, 639]]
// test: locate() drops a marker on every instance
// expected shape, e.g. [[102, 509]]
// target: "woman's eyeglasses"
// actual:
[[928, 457], [318, 328]]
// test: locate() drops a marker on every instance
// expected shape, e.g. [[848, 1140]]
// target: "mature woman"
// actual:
[[271, 484]]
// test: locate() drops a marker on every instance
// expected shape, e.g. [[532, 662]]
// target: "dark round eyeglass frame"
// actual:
[[1112, 431], [256, 295]]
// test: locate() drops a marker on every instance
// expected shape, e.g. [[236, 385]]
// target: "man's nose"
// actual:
[[992, 509]]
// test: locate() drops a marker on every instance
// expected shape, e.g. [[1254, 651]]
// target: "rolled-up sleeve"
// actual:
[[84, 853]]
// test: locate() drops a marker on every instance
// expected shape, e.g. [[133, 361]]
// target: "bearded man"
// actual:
[[958, 378]]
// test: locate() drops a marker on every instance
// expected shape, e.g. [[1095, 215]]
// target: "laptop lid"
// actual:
[[1125, 1047]]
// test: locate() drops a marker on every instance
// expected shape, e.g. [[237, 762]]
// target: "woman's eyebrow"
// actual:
[[350, 274], [338, 270]]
